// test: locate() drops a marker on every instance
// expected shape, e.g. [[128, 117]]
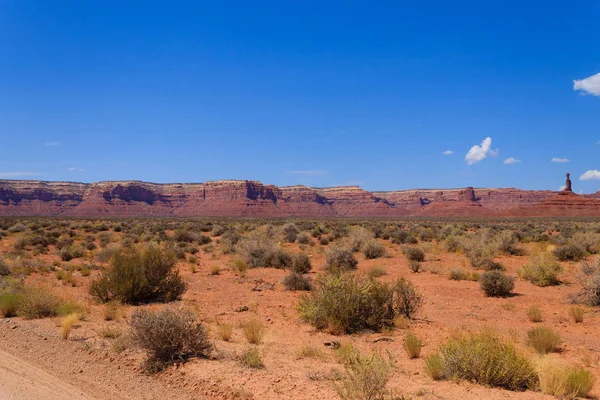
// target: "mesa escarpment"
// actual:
[[237, 198]]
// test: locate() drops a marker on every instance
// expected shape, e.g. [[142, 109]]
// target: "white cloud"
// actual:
[[511, 160], [560, 160], [53, 144], [308, 172], [17, 174], [589, 85], [75, 169], [480, 152], [589, 175], [447, 152], [563, 187]]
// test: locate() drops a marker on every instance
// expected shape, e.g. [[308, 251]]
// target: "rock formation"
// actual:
[[254, 199]]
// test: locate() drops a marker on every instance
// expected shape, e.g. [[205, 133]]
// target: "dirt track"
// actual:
[[22, 380]]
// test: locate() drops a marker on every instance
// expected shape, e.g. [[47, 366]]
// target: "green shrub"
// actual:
[[543, 339], [373, 249], [434, 366], [251, 358], [340, 259], [487, 360], [542, 270], [563, 381], [412, 345], [290, 232], [135, 277], [168, 336], [345, 303], [569, 252], [4, 268], [296, 282], [70, 252], [414, 254], [496, 284]]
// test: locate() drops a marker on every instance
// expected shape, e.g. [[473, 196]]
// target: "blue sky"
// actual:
[[302, 92]]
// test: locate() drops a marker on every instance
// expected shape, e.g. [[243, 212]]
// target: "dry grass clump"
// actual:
[[495, 284], [485, 359], [412, 345], [251, 358], [534, 314], [365, 377], [254, 331], [136, 277], [543, 339], [168, 336], [37, 302], [67, 324], [542, 270], [577, 313], [215, 270], [376, 272], [345, 303], [563, 381], [225, 331], [111, 311]]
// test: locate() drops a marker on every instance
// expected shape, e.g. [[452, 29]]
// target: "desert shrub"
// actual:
[[569, 252], [254, 331], [403, 237], [577, 313], [304, 238], [258, 253], [111, 311], [458, 274], [297, 282], [534, 314], [507, 242], [373, 249], [357, 237], [414, 254], [204, 239], [9, 305], [251, 358], [324, 241], [375, 272], [168, 336], [340, 259], [412, 345], [4, 268], [345, 303], [563, 381], [70, 252], [185, 236], [135, 277], [589, 278], [365, 377], [301, 264], [487, 360], [496, 284], [415, 266], [543, 339], [542, 270], [37, 302], [481, 250], [225, 331], [280, 259], [426, 235], [290, 232], [453, 244]]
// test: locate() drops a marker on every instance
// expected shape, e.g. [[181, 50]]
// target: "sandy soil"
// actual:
[[88, 361]]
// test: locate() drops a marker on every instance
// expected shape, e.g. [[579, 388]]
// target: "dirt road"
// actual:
[[21, 380]]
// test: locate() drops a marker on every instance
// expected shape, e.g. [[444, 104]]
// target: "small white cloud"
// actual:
[[589, 175], [480, 152], [53, 144], [447, 152], [308, 172], [563, 187], [589, 85], [17, 174], [511, 160], [560, 160], [72, 169]]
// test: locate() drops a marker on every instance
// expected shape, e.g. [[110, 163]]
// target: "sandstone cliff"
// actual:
[[254, 199]]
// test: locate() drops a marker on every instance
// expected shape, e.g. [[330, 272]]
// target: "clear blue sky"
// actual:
[[302, 92]]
